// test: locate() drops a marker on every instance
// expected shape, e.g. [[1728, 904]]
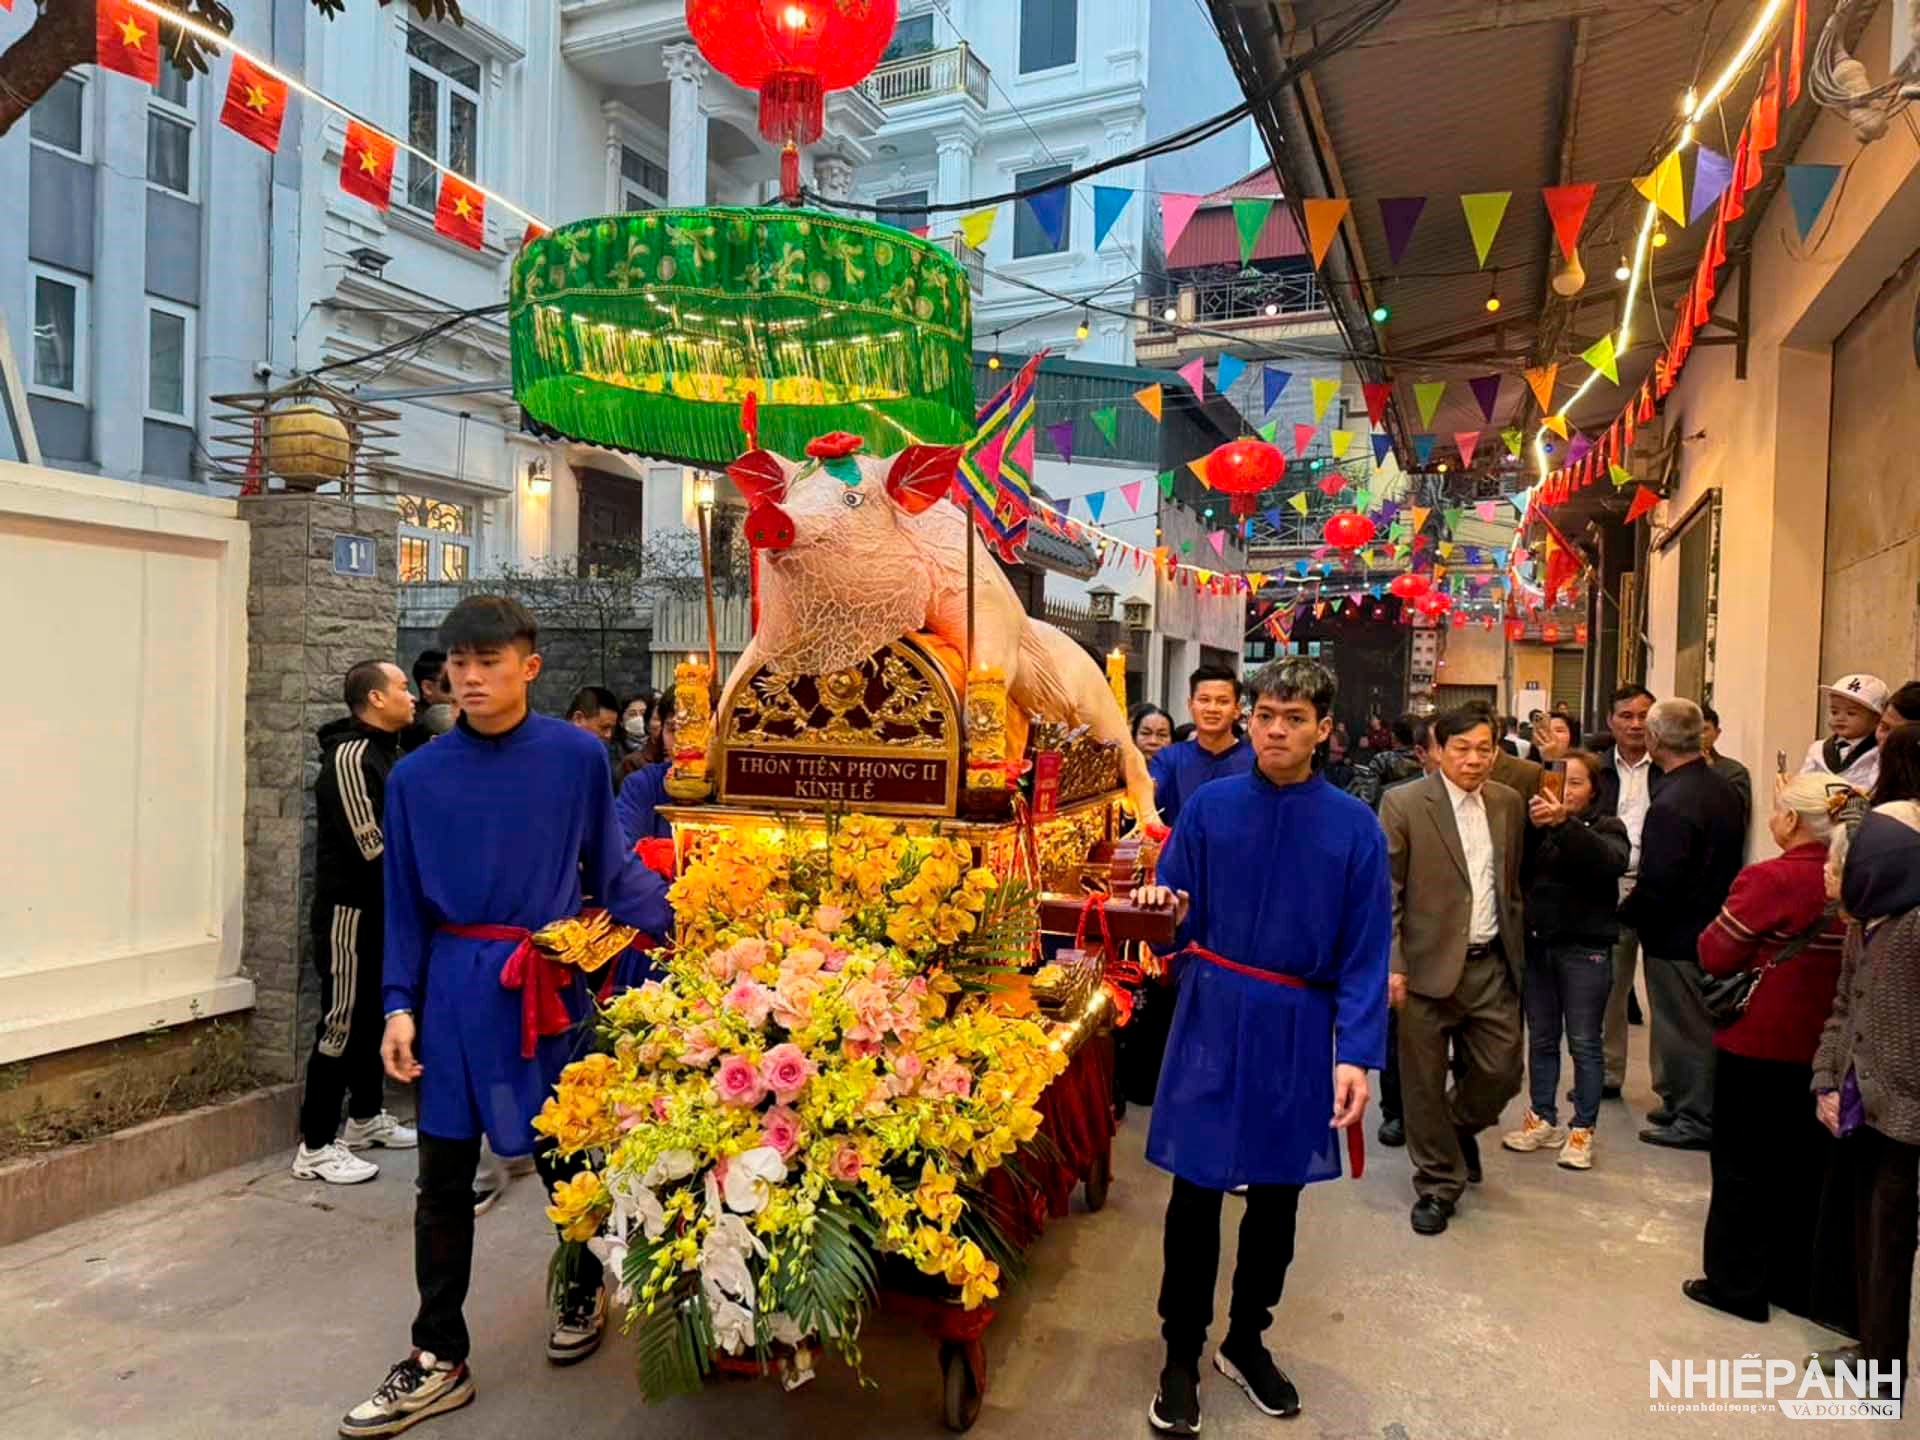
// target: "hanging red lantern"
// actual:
[[1550, 632], [1580, 633], [1434, 603], [1486, 622], [792, 52], [1349, 530], [1516, 629], [1459, 619], [1243, 468], [1410, 586]]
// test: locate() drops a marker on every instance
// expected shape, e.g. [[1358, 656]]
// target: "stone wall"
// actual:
[[569, 659], [306, 624]]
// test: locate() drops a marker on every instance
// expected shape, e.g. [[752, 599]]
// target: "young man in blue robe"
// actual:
[[491, 833], [1280, 885], [1215, 751]]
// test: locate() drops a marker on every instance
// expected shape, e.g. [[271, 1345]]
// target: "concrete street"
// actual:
[[253, 1305]]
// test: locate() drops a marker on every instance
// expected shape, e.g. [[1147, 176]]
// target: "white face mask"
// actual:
[[635, 726]]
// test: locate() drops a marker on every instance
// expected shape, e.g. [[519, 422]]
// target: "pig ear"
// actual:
[[922, 475], [758, 476]]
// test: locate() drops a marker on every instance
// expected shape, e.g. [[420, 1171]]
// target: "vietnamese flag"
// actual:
[[127, 39], [256, 104], [366, 165], [461, 213]]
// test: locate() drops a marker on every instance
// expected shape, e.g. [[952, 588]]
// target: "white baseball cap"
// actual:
[[1867, 690]]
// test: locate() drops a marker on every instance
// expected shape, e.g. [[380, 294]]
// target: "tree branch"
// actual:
[[59, 39]]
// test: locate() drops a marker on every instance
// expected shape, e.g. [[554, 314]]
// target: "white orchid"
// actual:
[[670, 1166], [732, 1325], [724, 1272], [612, 1255], [783, 1329], [751, 1177], [634, 1201]]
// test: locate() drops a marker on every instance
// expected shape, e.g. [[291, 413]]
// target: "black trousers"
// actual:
[[1191, 1248], [1770, 1155], [1390, 1072], [443, 1239], [1868, 1218], [345, 1064]]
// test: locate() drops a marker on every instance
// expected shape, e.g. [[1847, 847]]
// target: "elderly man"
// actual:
[[1691, 847], [1628, 777], [1453, 848]]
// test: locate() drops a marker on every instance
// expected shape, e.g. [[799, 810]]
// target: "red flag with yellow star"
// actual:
[[366, 165], [256, 104], [461, 212], [127, 39]]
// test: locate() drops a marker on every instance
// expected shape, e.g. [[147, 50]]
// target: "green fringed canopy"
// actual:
[[647, 331]]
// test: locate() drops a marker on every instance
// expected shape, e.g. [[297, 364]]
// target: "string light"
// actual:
[[1623, 271], [1659, 237], [993, 360], [1084, 329], [220, 41], [1381, 314]]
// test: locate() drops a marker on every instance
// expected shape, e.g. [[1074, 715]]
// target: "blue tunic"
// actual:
[[1182, 768], [499, 830], [640, 795], [1290, 879]]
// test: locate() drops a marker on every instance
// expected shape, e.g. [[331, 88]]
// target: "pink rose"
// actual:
[[751, 1001], [950, 1077], [907, 1069], [829, 918], [802, 964], [781, 1130], [660, 1108], [846, 1164], [858, 1049], [786, 1071], [698, 1050], [738, 1082], [630, 1118], [738, 958]]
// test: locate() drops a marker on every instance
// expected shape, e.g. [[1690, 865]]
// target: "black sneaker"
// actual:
[[416, 1389], [1250, 1367], [1176, 1408], [576, 1326]]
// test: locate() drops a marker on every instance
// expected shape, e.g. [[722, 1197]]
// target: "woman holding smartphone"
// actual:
[[1572, 875]]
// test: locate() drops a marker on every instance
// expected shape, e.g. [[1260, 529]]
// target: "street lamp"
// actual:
[[539, 478]]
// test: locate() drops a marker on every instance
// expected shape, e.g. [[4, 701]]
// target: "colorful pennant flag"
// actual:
[[1324, 389], [1665, 186], [1513, 437], [1150, 398], [1332, 483], [256, 104], [1577, 448], [1096, 502], [1540, 378], [1130, 492], [1199, 469], [1323, 223], [1194, 372], [1567, 206], [1398, 216], [1486, 389], [1175, 212], [1600, 356], [1249, 218], [1109, 203], [1486, 510], [1299, 502], [1712, 172], [1302, 437], [977, 228], [1165, 480], [1427, 396], [1484, 212], [127, 38], [1049, 210], [1382, 448], [1377, 392], [1423, 450], [1229, 373], [366, 165], [1808, 187], [1218, 540], [1643, 501], [1107, 421], [1619, 475], [1267, 431], [1341, 441], [461, 212], [1272, 381], [1060, 435], [1467, 441]]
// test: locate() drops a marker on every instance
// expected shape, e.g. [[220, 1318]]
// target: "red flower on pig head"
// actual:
[[835, 445]]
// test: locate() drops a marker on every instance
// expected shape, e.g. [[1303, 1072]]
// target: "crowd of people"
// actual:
[[1482, 894]]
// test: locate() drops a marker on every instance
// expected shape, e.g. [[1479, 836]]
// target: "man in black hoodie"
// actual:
[[356, 754]]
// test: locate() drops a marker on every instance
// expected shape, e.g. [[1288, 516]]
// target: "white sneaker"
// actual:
[[382, 1130], [416, 1389], [1577, 1154], [575, 1326], [333, 1163], [1534, 1134]]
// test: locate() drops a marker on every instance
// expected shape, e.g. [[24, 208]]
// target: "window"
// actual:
[[443, 114], [643, 184], [170, 133], [436, 539], [1029, 235], [169, 361], [59, 364], [59, 117], [906, 211], [912, 36], [1047, 34]]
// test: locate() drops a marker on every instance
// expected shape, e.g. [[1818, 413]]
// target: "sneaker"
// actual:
[[382, 1130], [1535, 1134], [416, 1389], [490, 1182], [333, 1163], [1577, 1153], [1251, 1368], [576, 1326], [1176, 1405]]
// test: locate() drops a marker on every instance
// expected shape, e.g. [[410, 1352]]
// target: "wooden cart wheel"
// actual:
[[1098, 1179], [960, 1398]]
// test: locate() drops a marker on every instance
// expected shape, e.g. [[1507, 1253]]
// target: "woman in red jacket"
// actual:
[[1769, 1151]]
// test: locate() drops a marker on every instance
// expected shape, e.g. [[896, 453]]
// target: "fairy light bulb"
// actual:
[[993, 360], [1659, 237], [1624, 271], [1083, 329]]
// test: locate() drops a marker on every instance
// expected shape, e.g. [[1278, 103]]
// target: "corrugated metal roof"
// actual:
[[1212, 238]]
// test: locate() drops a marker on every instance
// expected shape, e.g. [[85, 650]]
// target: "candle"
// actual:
[[1117, 678]]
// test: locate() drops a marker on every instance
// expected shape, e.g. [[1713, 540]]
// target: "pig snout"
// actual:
[[769, 527]]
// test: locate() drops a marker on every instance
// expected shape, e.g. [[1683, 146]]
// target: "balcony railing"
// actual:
[[973, 261], [1250, 298], [922, 77]]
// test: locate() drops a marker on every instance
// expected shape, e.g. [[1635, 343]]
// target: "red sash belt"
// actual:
[[538, 977], [1356, 1137]]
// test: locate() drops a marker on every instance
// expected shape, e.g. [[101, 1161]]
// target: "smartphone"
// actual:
[[1554, 782], [1780, 761]]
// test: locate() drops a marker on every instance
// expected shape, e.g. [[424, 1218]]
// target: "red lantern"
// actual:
[[1410, 586], [1349, 530], [1580, 634], [1434, 603], [1459, 619], [1243, 468], [792, 52], [1550, 632], [1486, 622], [1516, 629]]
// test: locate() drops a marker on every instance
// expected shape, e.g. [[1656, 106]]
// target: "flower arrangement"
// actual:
[[814, 1079]]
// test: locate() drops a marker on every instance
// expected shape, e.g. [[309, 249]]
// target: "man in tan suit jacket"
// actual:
[[1459, 950], [1521, 776]]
